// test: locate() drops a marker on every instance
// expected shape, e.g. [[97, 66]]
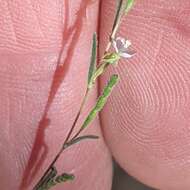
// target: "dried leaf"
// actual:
[[46, 180], [56, 180]]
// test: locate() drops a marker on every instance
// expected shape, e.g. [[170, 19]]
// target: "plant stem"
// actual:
[[67, 138], [116, 25], [112, 37], [78, 114]]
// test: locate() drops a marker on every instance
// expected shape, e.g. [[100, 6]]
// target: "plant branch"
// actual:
[[108, 58], [67, 138]]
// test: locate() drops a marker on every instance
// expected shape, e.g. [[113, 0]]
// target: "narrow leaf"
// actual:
[[51, 183], [46, 180], [78, 139], [56, 180], [129, 5], [101, 100], [51, 175], [64, 178], [93, 59]]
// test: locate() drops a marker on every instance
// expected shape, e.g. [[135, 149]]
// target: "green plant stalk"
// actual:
[[124, 6], [93, 75], [62, 148], [92, 114], [100, 103], [100, 71], [117, 22]]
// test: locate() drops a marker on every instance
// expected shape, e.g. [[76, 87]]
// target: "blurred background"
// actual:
[[122, 181]]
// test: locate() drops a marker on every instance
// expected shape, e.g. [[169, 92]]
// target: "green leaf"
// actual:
[[64, 178], [92, 67], [78, 139], [56, 180], [51, 183], [47, 180], [129, 5], [109, 58], [101, 100]]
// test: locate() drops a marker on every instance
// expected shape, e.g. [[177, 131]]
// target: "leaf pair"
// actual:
[[56, 180], [51, 179]]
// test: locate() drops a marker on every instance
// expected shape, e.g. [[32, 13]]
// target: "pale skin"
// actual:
[[145, 123]]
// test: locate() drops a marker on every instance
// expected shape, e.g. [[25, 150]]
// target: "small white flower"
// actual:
[[121, 46]]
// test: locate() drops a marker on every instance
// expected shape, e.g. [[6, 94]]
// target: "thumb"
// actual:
[[40, 93], [148, 115]]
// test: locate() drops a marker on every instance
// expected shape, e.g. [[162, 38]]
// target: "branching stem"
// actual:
[[102, 66]]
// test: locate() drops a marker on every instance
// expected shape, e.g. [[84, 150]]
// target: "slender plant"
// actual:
[[116, 49]]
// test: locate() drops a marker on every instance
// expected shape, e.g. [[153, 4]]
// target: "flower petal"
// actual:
[[127, 54], [127, 44], [120, 42]]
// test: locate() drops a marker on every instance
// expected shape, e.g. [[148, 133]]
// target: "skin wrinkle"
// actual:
[[11, 76], [15, 38], [158, 47], [7, 129], [18, 35], [29, 36], [37, 18]]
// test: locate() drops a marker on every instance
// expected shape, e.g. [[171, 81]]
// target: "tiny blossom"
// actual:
[[121, 46]]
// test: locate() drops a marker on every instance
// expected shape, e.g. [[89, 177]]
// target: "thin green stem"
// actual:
[[78, 115], [67, 138], [103, 65], [111, 38], [116, 25], [99, 105]]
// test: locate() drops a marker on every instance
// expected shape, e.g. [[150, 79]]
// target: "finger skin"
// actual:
[[146, 121], [40, 93]]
